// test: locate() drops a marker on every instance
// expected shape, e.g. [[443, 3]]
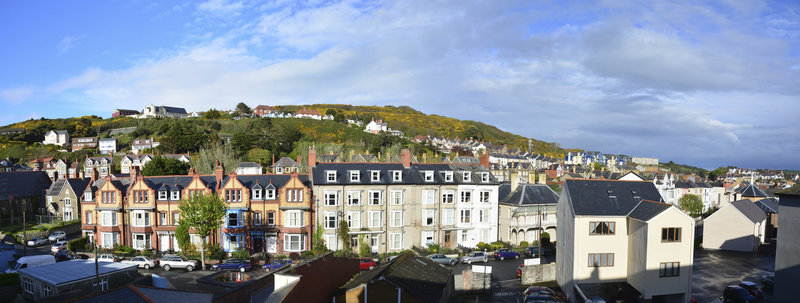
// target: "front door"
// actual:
[[447, 239], [163, 241], [258, 243], [272, 244], [375, 240]]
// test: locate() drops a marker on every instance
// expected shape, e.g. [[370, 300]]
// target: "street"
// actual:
[[714, 270]]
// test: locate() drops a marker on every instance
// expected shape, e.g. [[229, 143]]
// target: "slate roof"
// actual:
[[411, 175], [78, 185], [608, 198], [327, 158], [286, 162], [646, 210], [767, 205], [68, 271], [23, 184], [176, 110], [419, 276], [751, 190], [750, 210], [529, 194]]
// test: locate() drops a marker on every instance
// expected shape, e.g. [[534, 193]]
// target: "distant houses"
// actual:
[[124, 113], [161, 111], [56, 137]]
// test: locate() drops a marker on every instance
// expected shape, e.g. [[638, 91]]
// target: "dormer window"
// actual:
[[375, 175], [397, 176], [331, 175], [162, 195], [467, 176], [270, 194], [355, 176], [87, 196], [257, 193], [484, 177], [448, 176], [428, 175], [176, 195]]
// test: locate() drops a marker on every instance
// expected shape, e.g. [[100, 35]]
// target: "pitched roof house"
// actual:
[[737, 226]]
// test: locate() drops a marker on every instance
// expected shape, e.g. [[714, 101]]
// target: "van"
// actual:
[[31, 261]]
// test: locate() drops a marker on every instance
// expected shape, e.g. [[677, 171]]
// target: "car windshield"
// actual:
[[17, 266]]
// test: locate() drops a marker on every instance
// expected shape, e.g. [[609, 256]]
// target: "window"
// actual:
[[428, 176], [257, 218], [465, 216], [669, 269], [397, 176], [375, 219], [109, 218], [397, 218], [331, 176], [353, 198], [67, 215], [110, 239], [67, 202], [396, 197], [293, 242], [448, 176], [354, 219], [271, 218], [331, 242], [176, 195], [176, 218], [162, 218], [484, 177], [47, 290], [141, 241], [395, 240], [270, 194], [602, 260], [671, 234], [86, 196], [448, 216], [375, 175], [27, 285], [162, 195], [355, 176], [428, 196], [601, 228], [467, 176], [483, 216], [330, 198], [141, 219], [88, 217], [233, 195], [140, 196], [427, 237], [234, 242], [483, 196], [109, 196], [294, 195], [103, 284], [233, 219], [448, 196], [374, 197], [428, 217], [466, 197], [256, 194], [294, 218], [330, 220]]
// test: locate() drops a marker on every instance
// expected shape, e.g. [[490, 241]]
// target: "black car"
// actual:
[[737, 294], [533, 251], [65, 255]]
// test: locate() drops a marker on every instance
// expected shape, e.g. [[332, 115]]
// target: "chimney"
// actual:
[[134, 173], [405, 158], [273, 159], [379, 157], [312, 158], [484, 159], [219, 172], [514, 180], [299, 161]]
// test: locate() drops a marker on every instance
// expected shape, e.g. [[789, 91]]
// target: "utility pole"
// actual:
[[96, 269], [24, 230]]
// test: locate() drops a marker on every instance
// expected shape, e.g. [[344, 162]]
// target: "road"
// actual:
[[43, 249], [714, 270], [505, 286]]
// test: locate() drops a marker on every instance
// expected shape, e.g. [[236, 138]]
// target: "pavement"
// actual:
[[714, 270]]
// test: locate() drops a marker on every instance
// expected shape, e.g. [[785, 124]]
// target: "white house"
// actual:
[[376, 127], [738, 226], [56, 137], [141, 144], [248, 168], [108, 145], [621, 232], [161, 111]]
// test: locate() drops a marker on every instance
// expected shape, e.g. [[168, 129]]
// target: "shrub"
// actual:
[[78, 244], [280, 257], [123, 250], [148, 253], [433, 249], [241, 254], [483, 246], [497, 245], [309, 254], [545, 238], [217, 253], [343, 253], [523, 243]]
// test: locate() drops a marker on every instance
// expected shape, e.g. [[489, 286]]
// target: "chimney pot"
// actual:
[[405, 158]]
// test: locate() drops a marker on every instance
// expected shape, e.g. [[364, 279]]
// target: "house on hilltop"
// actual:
[[161, 111], [56, 137]]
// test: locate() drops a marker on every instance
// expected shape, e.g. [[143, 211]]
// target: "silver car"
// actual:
[[475, 256], [442, 259]]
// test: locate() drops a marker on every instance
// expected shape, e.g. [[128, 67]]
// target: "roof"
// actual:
[[176, 110], [750, 210], [285, 162], [68, 271], [751, 190], [607, 197], [23, 184], [419, 276], [767, 205], [646, 210], [308, 112], [528, 194], [138, 293], [78, 185], [249, 164]]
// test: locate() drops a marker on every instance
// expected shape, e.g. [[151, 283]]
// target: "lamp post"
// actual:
[[96, 266]]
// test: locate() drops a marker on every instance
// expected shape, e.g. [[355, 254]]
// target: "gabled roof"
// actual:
[[419, 276], [767, 205], [176, 110], [750, 210], [327, 158], [528, 194], [608, 198], [646, 210], [286, 162]]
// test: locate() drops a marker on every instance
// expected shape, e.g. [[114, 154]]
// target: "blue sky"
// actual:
[[703, 83]]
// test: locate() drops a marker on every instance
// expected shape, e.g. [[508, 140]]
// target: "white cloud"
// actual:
[[67, 43], [220, 6], [17, 95]]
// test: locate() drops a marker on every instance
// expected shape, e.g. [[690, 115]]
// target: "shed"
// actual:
[[738, 226], [70, 279]]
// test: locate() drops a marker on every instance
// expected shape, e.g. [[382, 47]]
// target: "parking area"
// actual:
[[504, 286], [714, 270]]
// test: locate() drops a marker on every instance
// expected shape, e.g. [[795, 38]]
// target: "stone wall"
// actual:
[[538, 273]]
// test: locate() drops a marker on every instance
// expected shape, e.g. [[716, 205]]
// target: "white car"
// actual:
[[58, 246], [142, 261], [174, 261], [37, 241], [106, 258], [57, 236]]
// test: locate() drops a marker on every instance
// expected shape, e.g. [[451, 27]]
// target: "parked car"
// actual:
[[442, 259], [142, 261], [235, 264], [539, 298], [37, 241], [542, 290], [737, 294], [65, 255], [107, 258], [57, 236], [174, 261], [31, 261], [752, 288], [277, 264], [768, 282], [366, 263], [58, 246], [475, 256], [505, 253], [533, 252]]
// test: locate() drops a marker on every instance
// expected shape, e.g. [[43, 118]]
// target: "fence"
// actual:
[[41, 219]]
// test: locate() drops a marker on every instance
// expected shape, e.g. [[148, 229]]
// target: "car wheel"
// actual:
[[501, 258], [241, 269], [371, 267], [147, 266], [469, 261], [189, 268], [167, 267], [266, 269]]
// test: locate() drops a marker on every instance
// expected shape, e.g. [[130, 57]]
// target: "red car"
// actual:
[[366, 264]]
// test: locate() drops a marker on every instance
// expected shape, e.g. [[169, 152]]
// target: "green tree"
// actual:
[[691, 204], [338, 117], [331, 112], [319, 244], [182, 235], [243, 110], [161, 166], [598, 166], [364, 250], [203, 213], [212, 114], [205, 160], [344, 234], [182, 138]]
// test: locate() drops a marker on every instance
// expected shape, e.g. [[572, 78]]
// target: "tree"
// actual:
[[243, 110], [161, 166], [212, 114], [691, 204], [338, 117], [344, 234], [319, 244], [206, 160], [181, 138], [203, 213], [331, 112], [364, 250], [598, 166]]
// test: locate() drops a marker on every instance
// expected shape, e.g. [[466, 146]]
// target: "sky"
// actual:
[[708, 84]]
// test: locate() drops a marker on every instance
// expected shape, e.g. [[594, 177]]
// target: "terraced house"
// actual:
[[397, 205], [266, 212]]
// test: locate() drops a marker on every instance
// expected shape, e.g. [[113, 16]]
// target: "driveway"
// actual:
[[714, 270]]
